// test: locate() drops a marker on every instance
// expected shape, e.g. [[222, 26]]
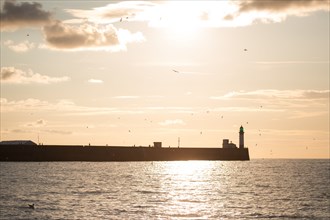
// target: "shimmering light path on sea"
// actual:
[[263, 189]]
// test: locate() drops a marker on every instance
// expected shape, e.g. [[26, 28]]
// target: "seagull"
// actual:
[[27, 35], [121, 19], [245, 49], [175, 71], [31, 206]]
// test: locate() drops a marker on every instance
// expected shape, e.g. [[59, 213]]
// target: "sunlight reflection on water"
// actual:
[[166, 190]]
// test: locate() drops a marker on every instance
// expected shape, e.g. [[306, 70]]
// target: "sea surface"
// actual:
[[256, 189]]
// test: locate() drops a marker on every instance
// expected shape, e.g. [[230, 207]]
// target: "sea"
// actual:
[[255, 189]]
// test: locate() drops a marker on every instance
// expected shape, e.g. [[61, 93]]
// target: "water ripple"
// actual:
[[258, 189]]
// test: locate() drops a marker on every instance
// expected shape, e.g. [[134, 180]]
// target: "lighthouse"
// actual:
[[241, 137]]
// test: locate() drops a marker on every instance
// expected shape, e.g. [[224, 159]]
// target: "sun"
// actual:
[[180, 19]]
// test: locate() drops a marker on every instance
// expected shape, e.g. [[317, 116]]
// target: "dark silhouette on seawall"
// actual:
[[116, 153], [29, 151]]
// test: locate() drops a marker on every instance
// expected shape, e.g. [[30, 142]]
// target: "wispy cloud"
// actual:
[[126, 97], [38, 130], [291, 62], [36, 124], [68, 107], [95, 81], [307, 114], [172, 122], [16, 15], [19, 47], [114, 12], [64, 106], [52, 131], [170, 64], [276, 94], [296, 103], [17, 76]]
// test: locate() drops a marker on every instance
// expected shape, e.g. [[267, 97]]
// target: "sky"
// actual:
[[127, 73]]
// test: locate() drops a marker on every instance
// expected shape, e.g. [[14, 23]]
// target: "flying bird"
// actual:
[[31, 206], [245, 49], [175, 71]]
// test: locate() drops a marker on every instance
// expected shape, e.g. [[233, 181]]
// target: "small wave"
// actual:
[[190, 201], [189, 216], [263, 185], [142, 206], [284, 216], [146, 192], [118, 211], [93, 192]]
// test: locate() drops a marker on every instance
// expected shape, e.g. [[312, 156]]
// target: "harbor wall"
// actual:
[[116, 153]]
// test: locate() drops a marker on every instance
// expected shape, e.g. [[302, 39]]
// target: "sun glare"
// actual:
[[187, 168], [179, 21]]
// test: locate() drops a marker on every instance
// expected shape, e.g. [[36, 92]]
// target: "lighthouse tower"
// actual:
[[241, 137]]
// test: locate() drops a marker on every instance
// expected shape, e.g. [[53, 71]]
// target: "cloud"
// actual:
[[185, 14], [276, 94], [17, 76], [68, 107], [251, 11], [126, 97], [36, 124], [298, 102], [88, 37], [115, 12], [304, 114], [24, 14], [291, 62], [299, 6], [64, 106], [95, 81], [172, 122], [52, 131], [20, 47]]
